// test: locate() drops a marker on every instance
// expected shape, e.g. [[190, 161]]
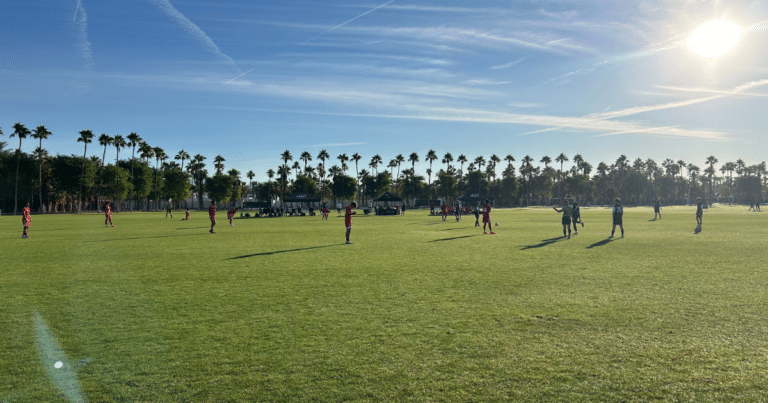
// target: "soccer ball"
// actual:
[[497, 224]]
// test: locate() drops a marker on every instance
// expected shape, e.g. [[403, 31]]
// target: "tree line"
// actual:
[[74, 183]]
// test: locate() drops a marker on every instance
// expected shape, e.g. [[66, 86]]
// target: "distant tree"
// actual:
[[86, 136], [40, 133], [182, 155], [304, 184], [176, 185], [104, 140], [119, 142], [133, 141], [306, 157], [343, 187], [446, 184], [431, 157], [219, 187], [117, 182]]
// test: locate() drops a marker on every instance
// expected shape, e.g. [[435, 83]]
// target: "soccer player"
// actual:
[[431, 208], [699, 212], [487, 217], [567, 211], [348, 219], [656, 209], [477, 214], [324, 211], [26, 219], [444, 209], [618, 214], [168, 211], [338, 208], [107, 215], [402, 210], [187, 216], [230, 214], [576, 217], [458, 211], [212, 215]]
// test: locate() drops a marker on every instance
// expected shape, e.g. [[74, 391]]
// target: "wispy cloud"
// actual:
[[82, 27], [191, 28], [348, 21], [482, 81], [508, 65]]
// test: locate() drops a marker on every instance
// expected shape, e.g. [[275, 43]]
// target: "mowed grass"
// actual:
[[421, 310]]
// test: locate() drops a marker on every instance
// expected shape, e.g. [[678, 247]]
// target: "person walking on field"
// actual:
[[444, 210], [699, 212], [108, 215], [348, 219], [477, 214], [656, 209], [566, 220], [26, 220], [212, 215], [168, 210], [618, 214]]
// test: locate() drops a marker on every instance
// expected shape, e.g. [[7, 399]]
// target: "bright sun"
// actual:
[[714, 38]]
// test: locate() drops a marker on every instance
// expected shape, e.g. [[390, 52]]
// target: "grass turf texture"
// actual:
[[417, 309]]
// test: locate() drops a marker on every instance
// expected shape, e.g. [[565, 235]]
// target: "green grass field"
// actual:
[[279, 309]]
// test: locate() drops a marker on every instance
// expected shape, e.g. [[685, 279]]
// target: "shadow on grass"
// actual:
[[194, 228], [451, 239], [282, 251], [146, 237], [654, 219], [451, 229], [600, 243], [543, 243], [697, 230]]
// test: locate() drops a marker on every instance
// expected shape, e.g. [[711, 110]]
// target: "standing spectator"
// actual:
[[656, 209], [699, 212]]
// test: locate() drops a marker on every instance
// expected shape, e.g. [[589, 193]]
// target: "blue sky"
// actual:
[[250, 79]]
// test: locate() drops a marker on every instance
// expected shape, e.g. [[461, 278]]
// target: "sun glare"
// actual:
[[714, 38]]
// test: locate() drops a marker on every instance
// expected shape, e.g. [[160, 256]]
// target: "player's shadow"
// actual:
[[697, 230], [600, 243], [451, 229], [281, 251], [543, 243], [451, 239], [654, 219], [192, 228]]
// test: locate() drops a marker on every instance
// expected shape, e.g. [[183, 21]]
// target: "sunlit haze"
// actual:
[[251, 79]]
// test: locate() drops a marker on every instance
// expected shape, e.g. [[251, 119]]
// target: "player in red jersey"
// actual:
[[187, 218], [231, 213], [26, 219], [444, 209], [348, 219], [487, 216], [108, 215], [212, 215], [324, 211]]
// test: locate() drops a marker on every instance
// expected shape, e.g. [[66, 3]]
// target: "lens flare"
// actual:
[[714, 38]]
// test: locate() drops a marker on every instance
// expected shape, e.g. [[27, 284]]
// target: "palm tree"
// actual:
[[22, 132], [510, 159], [391, 166], [546, 161], [479, 162], [527, 170], [182, 155], [681, 165], [296, 166], [356, 157], [343, 158], [133, 141], [494, 160], [561, 159], [285, 156], [461, 160], [86, 136], [146, 151], [270, 174], [250, 175], [711, 160], [375, 161], [40, 133], [447, 159], [431, 157], [218, 163], [740, 166], [399, 160], [104, 140]]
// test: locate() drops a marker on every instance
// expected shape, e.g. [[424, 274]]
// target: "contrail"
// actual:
[[346, 22], [227, 82], [76, 8]]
